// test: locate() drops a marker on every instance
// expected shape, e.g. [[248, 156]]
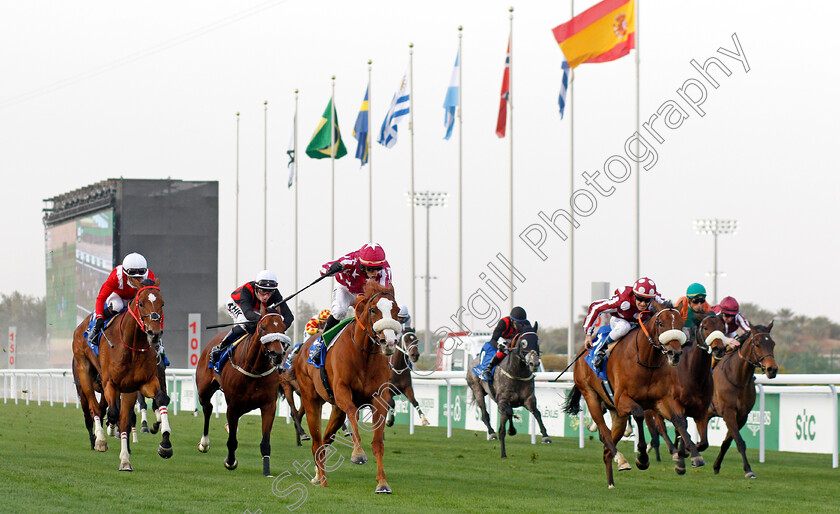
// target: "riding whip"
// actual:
[[583, 351]]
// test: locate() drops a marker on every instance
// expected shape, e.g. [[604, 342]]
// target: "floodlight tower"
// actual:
[[715, 227], [428, 199]]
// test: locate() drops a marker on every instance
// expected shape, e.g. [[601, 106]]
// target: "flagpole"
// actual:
[[638, 242], [332, 168], [411, 137], [265, 185], [295, 178], [571, 335], [510, 103], [460, 175], [368, 148], [236, 259]]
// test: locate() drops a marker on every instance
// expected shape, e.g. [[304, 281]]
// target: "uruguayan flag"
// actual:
[[450, 103], [396, 113], [564, 86]]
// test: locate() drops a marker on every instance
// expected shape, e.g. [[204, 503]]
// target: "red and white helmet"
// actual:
[[323, 315], [372, 254], [312, 326], [729, 305], [645, 288]]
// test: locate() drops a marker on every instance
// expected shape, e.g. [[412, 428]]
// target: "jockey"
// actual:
[[119, 288], [312, 327], [729, 312], [323, 316], [245, 305], [352, 272], [625, 306], [506, 329], [405, 319], [694, 303]]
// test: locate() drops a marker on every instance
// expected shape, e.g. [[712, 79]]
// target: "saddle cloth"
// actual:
[[225, 356], [327, 339], [601, 372], [94, 345]]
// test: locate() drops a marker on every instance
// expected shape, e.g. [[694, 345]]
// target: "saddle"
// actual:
[[94, 345], [225, 356]]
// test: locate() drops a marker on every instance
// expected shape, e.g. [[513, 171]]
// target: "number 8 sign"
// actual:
[[193, 338]]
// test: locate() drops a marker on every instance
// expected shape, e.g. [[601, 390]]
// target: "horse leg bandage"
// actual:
[[157, 414], [97, 428], [164, 420]]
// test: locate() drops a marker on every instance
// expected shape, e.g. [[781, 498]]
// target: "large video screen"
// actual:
[[79, 257]]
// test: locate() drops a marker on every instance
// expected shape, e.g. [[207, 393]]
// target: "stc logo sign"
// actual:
[[806, 426]]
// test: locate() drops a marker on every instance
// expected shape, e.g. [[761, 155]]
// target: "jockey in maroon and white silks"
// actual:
[[730, 312], [352, 272]]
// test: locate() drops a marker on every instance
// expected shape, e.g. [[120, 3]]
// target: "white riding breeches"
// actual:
[[115, 302], [619, 327], [342, 299]]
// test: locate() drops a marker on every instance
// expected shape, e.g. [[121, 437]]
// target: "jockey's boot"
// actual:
[[217, 351], [166, 362], [487, 373], [601, 352], [331, 322]]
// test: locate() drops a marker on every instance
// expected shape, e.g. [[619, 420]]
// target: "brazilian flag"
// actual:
[[320, 146]]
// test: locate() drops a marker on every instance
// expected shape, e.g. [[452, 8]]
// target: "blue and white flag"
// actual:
[[450, 103], [361, 129], [397, 112], [564, 87]]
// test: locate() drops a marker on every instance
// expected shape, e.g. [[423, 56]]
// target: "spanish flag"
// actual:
[[604, 32]]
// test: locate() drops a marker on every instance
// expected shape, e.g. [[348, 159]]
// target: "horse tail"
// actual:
[[572, 406]]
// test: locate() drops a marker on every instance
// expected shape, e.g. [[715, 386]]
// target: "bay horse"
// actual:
[[356, 368], [401, 363], [640, 381], [249, 380], [288, 388], [513, 385], [691, 384], [127, 363], [734, 397]]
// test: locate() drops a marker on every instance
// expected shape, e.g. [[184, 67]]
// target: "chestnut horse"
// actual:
[[249, 381], [640, 381], [734, 396], [691, 383], [513, 386], [127, 363], [401, 361], [357, 371]]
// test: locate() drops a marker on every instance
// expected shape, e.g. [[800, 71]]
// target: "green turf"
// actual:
[[46, 465]]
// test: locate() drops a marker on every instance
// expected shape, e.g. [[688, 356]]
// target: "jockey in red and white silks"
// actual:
[[352, 272]]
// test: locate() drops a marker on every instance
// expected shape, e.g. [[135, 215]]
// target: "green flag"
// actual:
[[319, 147]]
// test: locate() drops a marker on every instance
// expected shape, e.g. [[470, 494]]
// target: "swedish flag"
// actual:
[[321, 145], [361, 131]]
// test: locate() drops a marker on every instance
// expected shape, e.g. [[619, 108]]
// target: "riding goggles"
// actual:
[[136, 272], [698, 299], [642, 299], [266, 285]]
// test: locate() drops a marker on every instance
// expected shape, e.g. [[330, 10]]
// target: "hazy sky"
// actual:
[[96, 90]]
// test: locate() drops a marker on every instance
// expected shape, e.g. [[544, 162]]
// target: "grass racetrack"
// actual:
[[46, 466]]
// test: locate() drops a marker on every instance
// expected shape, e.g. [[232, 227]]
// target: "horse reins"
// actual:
[[650, 340], [270, 370], [513, 344], [406, 359], [361, 324], [153, 316]]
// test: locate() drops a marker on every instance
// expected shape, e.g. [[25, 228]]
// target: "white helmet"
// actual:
[[266, 279], [403, 314], [134, 265]]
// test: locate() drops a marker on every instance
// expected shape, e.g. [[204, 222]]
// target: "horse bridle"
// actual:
[[406, 351], [754, 346], [263, 342], [659, 346], [697, 336], [367, 332], [519, 356], [153, 316]]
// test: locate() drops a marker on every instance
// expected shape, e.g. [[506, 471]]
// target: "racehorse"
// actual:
[[513, 385], [640, 381], [734, 397], [401, 360], [250, 381], [288, 388], [691, 383], [127, 363], [356, 369]]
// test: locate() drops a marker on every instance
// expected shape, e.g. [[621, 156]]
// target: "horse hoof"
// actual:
[[750, 475], [231, 467], [493, 437], [642, 465], [383, 489], [717, 470], [389, 422], [165, 452], [359, 458], [202, 448], [425, 422], [678, 470], [546, 440], [304, 437], [611, 486], [697, 462], [155, 427], [511, 430], [625, 466], [126, 466], [675, 456], [100, 446]]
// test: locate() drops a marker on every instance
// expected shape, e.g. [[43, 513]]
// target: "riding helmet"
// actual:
[[266, 279], [645, 288], [695, 289], [518, 314]]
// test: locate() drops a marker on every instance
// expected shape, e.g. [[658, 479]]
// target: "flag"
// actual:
[[450, 103], [398, 111], [361, 130], [321, 144], [564, 87], [291, 153], [604, 32], [502, 121]]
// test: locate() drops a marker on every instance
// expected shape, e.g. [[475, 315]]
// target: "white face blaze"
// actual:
[[152, 297], [388, 326]]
